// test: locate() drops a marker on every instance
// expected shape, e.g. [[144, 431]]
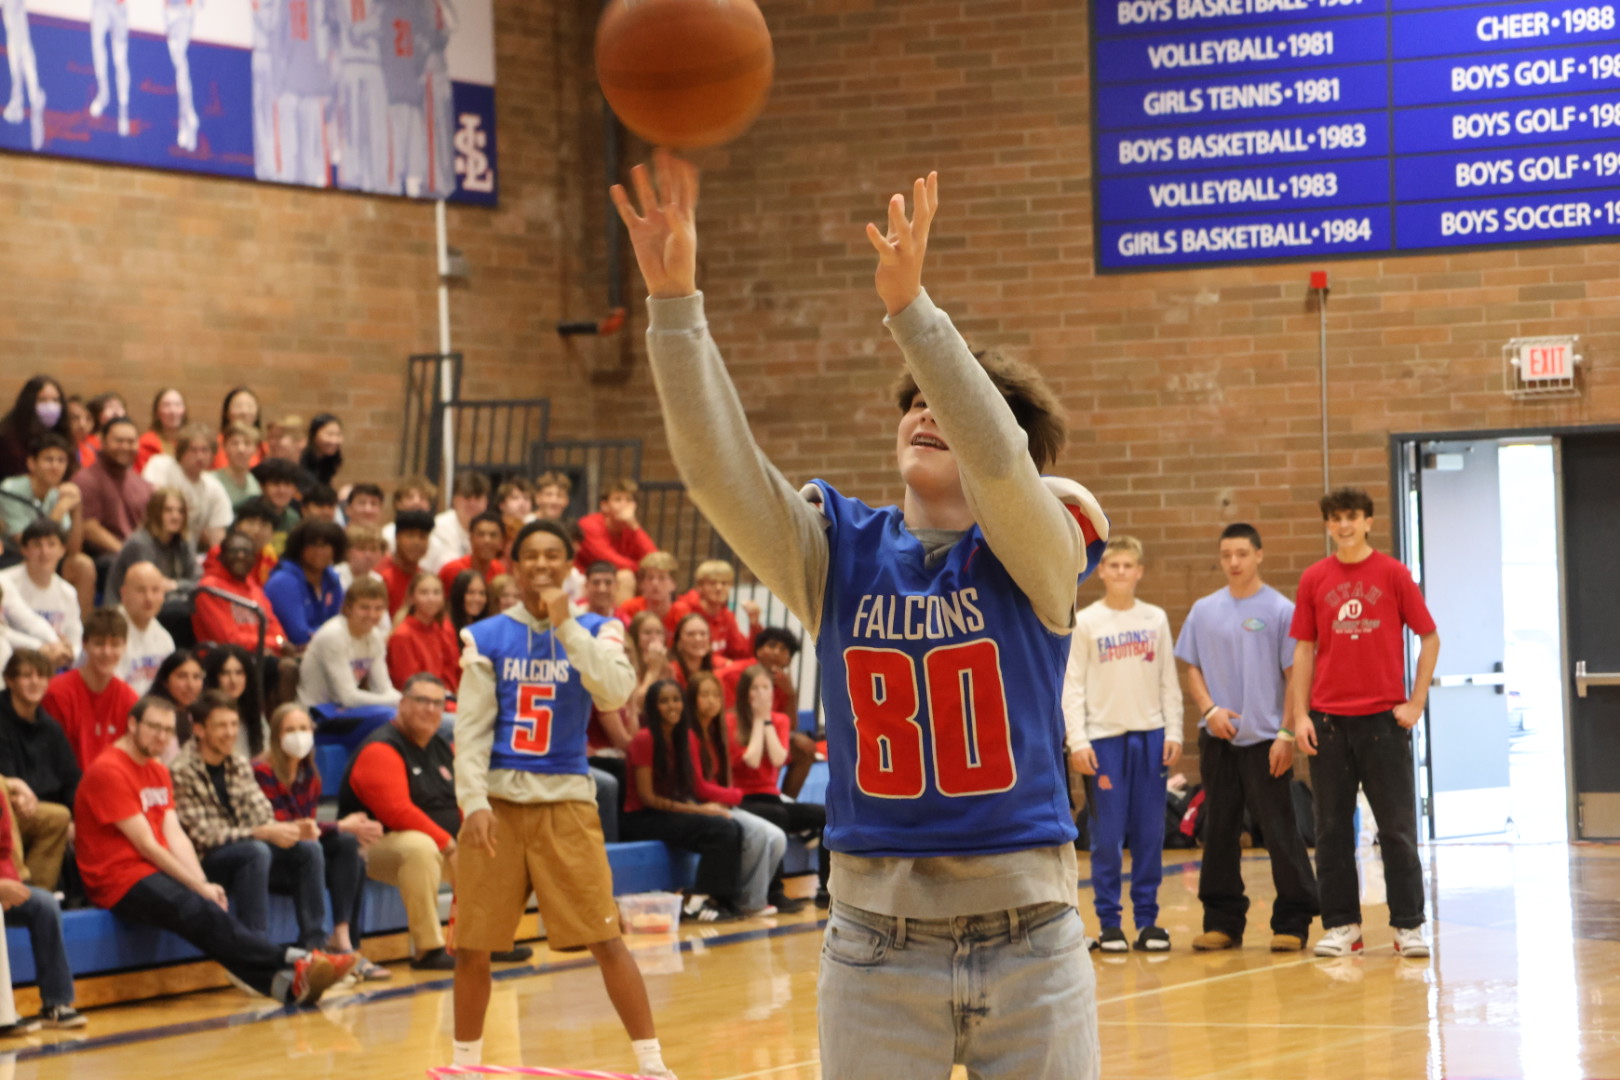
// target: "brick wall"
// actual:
[[1193, 395], [134, 280]]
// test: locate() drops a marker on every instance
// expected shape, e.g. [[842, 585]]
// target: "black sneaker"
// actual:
[[61, 1017], [708, 912], [25, 1025], [1112, 940], [512, 956], [1151, 939], [435, 960], [787, 905], [823, 899]]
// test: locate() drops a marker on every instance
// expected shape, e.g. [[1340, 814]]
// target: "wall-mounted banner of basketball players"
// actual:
[[392, 97]]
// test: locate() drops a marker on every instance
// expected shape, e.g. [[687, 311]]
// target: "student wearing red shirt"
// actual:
[[692, 653], [763, 844], [759, 749], [613, 535], [774, 650], [487, 535], [423, 639], [1352, 711], [91, 702], [655, 588], [712, 599], [137, 863], [669, 800], [218, 620], [168, 417], [413, 533]]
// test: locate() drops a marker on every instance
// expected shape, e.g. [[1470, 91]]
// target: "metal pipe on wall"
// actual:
[[447, 459]]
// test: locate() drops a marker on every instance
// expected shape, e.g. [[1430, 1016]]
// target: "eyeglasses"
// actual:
[[165, 729], [418, 699]]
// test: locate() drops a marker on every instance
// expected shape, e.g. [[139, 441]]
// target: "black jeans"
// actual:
[[793, 817], [159, 900], [717, 841], [345, 879], [1375, 753], [251, 870], [1235, 778]]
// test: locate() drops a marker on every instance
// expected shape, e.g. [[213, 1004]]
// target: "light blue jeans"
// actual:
[[1009, 995], [763, 846]]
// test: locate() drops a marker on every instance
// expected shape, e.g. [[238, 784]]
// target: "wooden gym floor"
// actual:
[[1524, 982]]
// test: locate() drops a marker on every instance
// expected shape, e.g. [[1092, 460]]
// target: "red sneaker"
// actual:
[[315, 974]]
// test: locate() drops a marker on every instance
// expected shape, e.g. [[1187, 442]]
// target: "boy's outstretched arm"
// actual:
[[1034, 536], [772, 528]]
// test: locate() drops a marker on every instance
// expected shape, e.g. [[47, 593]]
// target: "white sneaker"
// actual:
[[1340, 941], [1411, 943]]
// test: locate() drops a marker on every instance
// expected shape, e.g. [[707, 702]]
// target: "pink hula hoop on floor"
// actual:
[[448, 1071]]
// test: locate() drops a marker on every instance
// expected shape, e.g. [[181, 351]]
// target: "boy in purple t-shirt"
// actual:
[[1239, 660]]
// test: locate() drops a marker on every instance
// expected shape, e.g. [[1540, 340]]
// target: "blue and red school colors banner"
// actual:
[[390, 97]]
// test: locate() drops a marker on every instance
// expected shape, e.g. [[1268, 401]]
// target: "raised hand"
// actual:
[[664, 233], [901, 250]]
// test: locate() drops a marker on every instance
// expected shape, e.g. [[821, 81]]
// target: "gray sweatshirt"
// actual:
[[782, 537]]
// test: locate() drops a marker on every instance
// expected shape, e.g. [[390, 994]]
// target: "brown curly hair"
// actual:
[[1033, 404]]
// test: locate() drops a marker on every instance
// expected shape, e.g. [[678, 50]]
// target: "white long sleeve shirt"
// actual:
[[1121, 676], [57, 603], [341, 669]]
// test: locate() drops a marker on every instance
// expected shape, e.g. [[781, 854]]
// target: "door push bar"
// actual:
[[1596, 678], [1490, 678]]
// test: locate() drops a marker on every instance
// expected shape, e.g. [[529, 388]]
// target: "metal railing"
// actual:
[[494, 437], [589, 463], [421, 434], [676, 526]]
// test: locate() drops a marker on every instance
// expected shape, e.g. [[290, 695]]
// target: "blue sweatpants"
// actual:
[[1127, 809], [349, 727]]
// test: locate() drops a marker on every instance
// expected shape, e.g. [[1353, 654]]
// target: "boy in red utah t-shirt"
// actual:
[[1351, 710]]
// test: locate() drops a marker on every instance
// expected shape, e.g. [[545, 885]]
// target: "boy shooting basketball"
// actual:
[[942, 629], [529, 678]]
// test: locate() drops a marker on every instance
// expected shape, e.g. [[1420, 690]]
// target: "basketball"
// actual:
[[684, 73]]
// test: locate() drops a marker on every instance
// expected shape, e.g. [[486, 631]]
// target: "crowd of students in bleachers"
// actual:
[[186, 612]]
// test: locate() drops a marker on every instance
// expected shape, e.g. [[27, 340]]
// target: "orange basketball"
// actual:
[[684, 73]]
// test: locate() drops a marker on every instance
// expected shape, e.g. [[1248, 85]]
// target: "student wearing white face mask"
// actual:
[[286, 773]]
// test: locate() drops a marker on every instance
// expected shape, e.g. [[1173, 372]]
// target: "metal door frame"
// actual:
[[1401, 443]]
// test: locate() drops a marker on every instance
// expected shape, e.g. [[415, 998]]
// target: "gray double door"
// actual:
[[1452, 523]]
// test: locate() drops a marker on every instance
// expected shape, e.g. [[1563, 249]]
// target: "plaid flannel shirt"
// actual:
[[208, 824], [299, 801]]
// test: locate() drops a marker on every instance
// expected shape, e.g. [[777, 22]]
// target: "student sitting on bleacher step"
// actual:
[[137, 863]]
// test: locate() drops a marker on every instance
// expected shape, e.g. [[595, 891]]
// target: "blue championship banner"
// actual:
[[389, 97], [1261, 130]]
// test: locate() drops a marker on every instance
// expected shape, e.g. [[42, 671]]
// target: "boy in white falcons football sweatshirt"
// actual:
[[1122, 712]]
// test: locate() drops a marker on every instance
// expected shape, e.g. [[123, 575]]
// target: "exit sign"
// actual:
[[1547, 361]]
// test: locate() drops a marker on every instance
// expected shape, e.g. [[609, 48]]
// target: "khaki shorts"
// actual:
[[554, 849]]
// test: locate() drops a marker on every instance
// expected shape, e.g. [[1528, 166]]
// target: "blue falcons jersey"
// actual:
[[541, 706], [942, 694]]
